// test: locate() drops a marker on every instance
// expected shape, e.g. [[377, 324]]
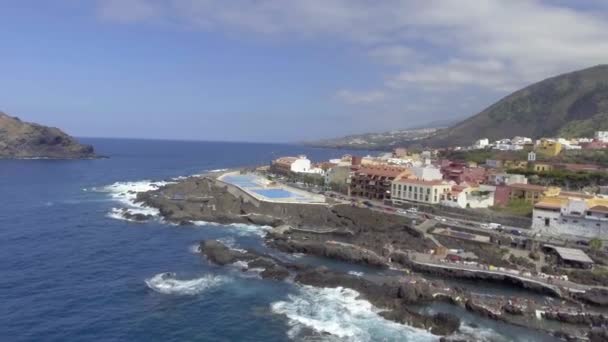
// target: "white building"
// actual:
[[521, 140], [601, 136], [464, 196], [417, 190], [481, 143], [578, 216], [504, 178], [426, 173], [532, 156], [301, 164]]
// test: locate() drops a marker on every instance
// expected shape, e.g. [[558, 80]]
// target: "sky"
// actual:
[[281, 71]]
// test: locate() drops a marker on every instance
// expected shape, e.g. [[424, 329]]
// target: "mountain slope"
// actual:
[[572, 104], [20, 139]]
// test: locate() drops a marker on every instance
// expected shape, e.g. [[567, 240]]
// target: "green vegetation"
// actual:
[[595, 244], [599, 157], [480, 156], [564, 178], [516, 207], [522, 261], [306, 178]]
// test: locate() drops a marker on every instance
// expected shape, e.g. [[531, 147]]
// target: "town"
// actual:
[[518, 193]]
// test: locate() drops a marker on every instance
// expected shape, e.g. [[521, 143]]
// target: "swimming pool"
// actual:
[[276, 193], [244, 181]]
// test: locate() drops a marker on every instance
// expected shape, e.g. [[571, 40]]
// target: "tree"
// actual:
[[595, 244]]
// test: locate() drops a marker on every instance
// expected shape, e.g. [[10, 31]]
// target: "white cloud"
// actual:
[[443, 45], [352, 97]]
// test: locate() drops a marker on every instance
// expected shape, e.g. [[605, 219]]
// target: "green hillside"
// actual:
[[572, 104]]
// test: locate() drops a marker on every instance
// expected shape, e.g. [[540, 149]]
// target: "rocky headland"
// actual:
[[20, 140]]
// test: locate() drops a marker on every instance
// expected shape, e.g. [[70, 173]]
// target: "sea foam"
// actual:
[[126, 194], [167, 283], [340, 313], [240, 229]]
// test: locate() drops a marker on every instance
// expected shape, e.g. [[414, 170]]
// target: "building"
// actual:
[[602, 136], [569, 257], [531, 193], [481, 143], [548, 148], [572, 214], [374, 182], [465, 196], [427, 173], [400, 152], [461, 173], [338, 177], [542, 167], [494, 163], [531, 156], [285, 165], [503, 178], [418, 190]]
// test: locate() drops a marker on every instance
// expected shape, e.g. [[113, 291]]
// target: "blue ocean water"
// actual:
[[72, 271]]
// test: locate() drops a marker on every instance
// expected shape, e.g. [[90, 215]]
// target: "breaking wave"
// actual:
[[167, 283], [338, 312], [126, 193], [240, 229]]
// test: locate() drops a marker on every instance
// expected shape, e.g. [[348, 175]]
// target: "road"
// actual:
[[469, 225]]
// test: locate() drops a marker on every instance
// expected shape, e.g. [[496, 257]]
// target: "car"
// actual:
[[582, 243], [494, 225], [413, 210], [485, 226], [368, 203], [401, 211], [515, 232]]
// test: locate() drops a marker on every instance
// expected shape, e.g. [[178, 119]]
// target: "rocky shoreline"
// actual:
[[356, 235]]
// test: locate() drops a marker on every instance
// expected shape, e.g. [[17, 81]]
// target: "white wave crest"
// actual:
[[195, 249], [338, 311], [355, 273], [126, 193], [240, 229], [167, 283]]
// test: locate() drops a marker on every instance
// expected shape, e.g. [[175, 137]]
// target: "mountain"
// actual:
[[376, 141], [20, 139], [571, 105]]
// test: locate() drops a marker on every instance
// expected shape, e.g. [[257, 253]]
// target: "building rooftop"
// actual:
[[599, 209], [571, 254], [382, 171], [529, 187], [420, 181]]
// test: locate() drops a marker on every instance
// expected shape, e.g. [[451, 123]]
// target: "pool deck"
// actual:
[[264, 190]]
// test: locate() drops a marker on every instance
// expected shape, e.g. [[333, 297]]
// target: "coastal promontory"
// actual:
[[19, 139]]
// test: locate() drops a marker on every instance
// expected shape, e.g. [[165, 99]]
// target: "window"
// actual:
[[564, 220], [547, 221]]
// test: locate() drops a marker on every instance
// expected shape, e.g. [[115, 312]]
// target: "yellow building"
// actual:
[[542, 167], [417, 190], [515, 164], [549, 148], [531, 193]]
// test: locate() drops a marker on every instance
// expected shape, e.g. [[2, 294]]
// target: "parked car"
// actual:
[[582, 243], [413, 210], [368, 204], [515, 232]]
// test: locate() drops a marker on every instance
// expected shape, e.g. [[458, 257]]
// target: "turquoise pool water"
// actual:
[[244, 181], [276, 193]]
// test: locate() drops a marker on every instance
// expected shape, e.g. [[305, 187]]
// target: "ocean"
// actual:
[[72, 269]]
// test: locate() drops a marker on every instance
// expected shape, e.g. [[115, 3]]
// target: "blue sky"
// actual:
[[272, 70]]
